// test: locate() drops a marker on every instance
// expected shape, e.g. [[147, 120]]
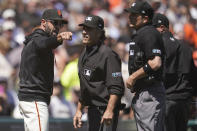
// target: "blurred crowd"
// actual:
[[19, 17]]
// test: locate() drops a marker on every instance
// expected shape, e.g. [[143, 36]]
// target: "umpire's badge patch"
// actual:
[[131, 52], [116, 74], [87, 72], [156, 51]]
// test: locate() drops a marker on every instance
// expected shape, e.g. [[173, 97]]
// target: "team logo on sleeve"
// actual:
[[87, 72], [116, 74], [156, 51]]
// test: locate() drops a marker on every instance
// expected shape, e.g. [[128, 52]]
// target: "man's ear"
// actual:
[[163, 28], [145, 19], [43, 22], [100, 33]]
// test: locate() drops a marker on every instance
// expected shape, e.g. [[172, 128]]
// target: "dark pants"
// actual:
[[94, 118], [176, 116]]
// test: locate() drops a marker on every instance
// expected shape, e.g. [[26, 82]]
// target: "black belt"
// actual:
[[119, 107], [145, 84]]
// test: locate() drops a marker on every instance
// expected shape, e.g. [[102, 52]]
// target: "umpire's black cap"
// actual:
[[160, 19], [141, 7], [53, 14], [93, 21]]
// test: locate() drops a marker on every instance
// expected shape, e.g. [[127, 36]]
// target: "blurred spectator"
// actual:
[[18, 34], [7, 102], [5, 67], [115, 6], [8, 32], [9, 14], [4, 107], [31, 16], [13, 4], [11, 57], [156, 4], [190, 33], [59, 106], [193, 9], [69, 78], [61, 57]]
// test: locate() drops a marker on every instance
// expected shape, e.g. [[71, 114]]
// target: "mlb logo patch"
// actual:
[[87, 72], [89, 18]]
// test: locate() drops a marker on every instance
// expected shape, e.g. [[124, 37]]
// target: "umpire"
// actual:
[[177, 70], [100, 76], [145, 69], [37, 70]]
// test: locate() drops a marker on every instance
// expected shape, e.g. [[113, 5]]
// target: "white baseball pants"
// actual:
[[35, 114]]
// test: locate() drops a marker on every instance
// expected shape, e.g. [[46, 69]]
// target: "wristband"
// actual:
[[147, 69]]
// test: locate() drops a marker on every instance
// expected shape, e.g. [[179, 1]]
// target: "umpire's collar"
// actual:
[[143, 27], [90, 50]]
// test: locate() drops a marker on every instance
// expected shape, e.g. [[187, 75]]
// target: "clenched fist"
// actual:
[[64, 36]]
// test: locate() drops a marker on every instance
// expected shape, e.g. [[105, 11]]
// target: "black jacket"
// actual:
[[177, 68], [100, 75], [171, 62], [37, 67]]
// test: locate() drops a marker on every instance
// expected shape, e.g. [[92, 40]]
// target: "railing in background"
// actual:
[[10, 124]]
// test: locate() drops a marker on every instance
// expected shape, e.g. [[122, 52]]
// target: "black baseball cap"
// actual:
[[53, 14], [93, 21], [160, 19], [141, 7]]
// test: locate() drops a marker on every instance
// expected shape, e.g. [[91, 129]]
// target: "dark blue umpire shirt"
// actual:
[[100, 75], [145, 45]]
